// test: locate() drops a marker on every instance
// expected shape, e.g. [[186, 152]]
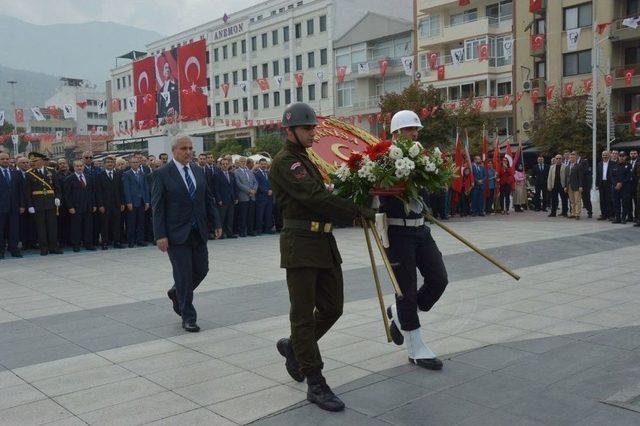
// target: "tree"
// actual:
[[6, 130], [270, 143], [227, 147], [562, 126]]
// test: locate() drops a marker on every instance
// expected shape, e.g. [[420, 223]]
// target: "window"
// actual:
[[323, 23], [287, 65], [311, 60], [274, 37], [298, 62], [503, 88], [632, 55], [218, 109], [299, 94], [540, 69], [276, 99], [234, 49], [254, 72], [633, 7], [254, 101], [324, 90], [497, 56], [225, 77], [129, 79], [430, 26], [243, 46], [215, 55], [298, 30], [323, 56], [118, 83], [216, 80], [287, 96], [345, 92], [244, 74], [500, 12], [265, 70], [245, 104], [312, 92], [577, 16], [254, 43], [285, 34], [234, 78], [224, 52], [276, 67], [264, 40], [464, 17], [265, 100], [310, 27], [235, 106], [471, 48], [226, 107], [351, 56], [467, 90], [540, 26], [575, 63]]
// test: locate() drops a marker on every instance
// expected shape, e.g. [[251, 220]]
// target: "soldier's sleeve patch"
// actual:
[[299, 171]]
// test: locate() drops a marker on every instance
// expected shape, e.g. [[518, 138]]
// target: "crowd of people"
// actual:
[[561, 187], [50, 206]]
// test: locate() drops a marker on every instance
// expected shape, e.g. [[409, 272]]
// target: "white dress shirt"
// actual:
[[181, 167]]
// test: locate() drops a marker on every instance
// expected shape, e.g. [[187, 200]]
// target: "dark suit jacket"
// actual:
[[264, 185], [599, 168], [574, 176], [76, 196], [174, 212], [92, 171], [540, 176], [11, 193], [109, 192], [224, 190], [135, 189], [587, 174]]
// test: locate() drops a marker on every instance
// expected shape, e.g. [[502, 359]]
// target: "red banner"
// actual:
[[441, 72], [587, 85], [535, 5], [506, 99], [628, 76], [550, 90], [537, 42], [19, 115], [341, 72], [635, 121], [535, 95], [144, 90], [433, 60], [483, 52], [299, 79], [263, 83], [608, 80], [568, 89], [601, 27], [192, 64], [478, 103], [464, 2], [115, 105], [493, 103], [383, 67]]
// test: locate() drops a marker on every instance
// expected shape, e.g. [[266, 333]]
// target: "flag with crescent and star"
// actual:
[[144, 89], [193, 77]]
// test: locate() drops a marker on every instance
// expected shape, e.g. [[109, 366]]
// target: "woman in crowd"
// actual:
[[507, 182]]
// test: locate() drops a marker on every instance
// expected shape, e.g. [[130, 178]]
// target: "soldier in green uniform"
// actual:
[[42, 194], [309, 252]]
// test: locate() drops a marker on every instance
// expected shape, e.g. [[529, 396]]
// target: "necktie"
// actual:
[[84, 184], [226, 174], [7, 175], [190, 185], [110, 175]]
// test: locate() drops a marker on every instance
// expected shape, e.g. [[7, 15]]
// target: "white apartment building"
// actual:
[[272, 38], [443, 25]]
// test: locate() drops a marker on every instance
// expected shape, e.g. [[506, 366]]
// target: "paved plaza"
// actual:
[[90, 338]]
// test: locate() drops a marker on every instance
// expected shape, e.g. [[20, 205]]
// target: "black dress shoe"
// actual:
[[233, 236], [252, 234], [44, 252], [117, 246], [551, 215], [321, 394], [428, 363], [636, 224], [131, 245], [602, 218], [396, 335], [90, 248], [174, 299], [76, 249], [191, 327], [57, 251], [291, 364], [15, 254]]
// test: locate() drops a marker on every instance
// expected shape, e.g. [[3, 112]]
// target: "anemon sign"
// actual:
[[227, 32]]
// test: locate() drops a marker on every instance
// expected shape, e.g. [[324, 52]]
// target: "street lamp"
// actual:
[[14, 138]]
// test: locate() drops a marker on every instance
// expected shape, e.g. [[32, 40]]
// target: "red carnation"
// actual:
[[354, 161], [375, 151]]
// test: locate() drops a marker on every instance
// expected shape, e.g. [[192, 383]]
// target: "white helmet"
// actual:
[[405, 118]]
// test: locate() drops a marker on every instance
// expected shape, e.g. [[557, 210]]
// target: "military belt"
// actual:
[[44, 192], [308, 225], [414, 223]]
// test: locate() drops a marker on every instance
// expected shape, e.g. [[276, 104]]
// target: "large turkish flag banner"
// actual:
[[144, 90], [193, 78]]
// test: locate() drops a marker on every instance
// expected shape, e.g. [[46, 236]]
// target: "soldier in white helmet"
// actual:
[[412, 249]]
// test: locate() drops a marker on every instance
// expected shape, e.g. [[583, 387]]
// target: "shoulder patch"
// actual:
[[299, 171], [296, 165]]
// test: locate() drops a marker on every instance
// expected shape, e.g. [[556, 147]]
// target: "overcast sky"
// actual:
[[164, 16]]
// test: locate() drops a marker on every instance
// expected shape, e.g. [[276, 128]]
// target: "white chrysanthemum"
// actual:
[[437, 152], [343, 173], [415, 149], [404, 166], [395, 153], [430, 166]]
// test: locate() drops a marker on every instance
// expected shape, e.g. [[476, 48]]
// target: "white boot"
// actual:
[[419, 352]]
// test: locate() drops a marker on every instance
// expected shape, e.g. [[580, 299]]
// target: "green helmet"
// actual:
[[299, 114]]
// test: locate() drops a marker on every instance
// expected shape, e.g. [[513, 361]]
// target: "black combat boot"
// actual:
[[321, 394], [286, 350]]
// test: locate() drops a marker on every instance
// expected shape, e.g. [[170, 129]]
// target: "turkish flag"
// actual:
[[608, 80], [483, 51], [424, 112], [53, 111], [535, 5], [493, 103], [464, 2], [192, 65], [537, 42], [383, 67], [143, 89], [299, 79], [587, 85], [433, 60], [628, 76], [115, 105], [341, 72], [441, 72], [568, 89], [635, 121], [263, 83], [550, 90], [19, 115], [225, 89], [535, 94], [506, 99], [478, 103], [601, 27], [82, 104]]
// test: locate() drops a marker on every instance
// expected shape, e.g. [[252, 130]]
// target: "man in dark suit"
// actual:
[[574, 179], [182, 206], [110, 203], [621, 180], [92, 171], [63, 212], [136, 198], [587, 178], [603, 185], [28, 236], [79, 194], [11, 206], [224, 187], [539, 174], [635, 165], [264, 199]]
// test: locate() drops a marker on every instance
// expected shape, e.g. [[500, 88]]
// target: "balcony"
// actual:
[[362, 104], [621, 32], [466, 30], [619, 80], [394, 67], [466, 68]]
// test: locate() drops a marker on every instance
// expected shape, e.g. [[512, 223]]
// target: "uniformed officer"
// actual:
[[621, 181], [309, 252], [411, 246], [42, 194]]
